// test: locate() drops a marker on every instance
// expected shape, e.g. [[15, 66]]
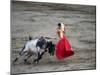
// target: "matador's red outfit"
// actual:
[[63, 48]]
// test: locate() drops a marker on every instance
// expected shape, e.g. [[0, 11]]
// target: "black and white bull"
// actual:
[[38, 47]]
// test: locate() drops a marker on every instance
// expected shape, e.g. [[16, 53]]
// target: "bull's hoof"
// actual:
[[36, 61], [25, 60], [15, 60]]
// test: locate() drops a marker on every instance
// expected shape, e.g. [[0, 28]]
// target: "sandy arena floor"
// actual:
[[40, 19]]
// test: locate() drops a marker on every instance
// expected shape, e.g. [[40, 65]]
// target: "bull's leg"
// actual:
[[22, 50], [29, 55], [20, 54], [39, 56], [16, 59]]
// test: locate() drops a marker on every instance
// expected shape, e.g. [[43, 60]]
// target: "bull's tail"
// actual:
[[20, 54], [30, 37]]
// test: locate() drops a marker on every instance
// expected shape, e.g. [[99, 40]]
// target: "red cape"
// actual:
[[63, 49]]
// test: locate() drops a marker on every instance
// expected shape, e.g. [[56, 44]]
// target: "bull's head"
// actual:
[[50, 47]]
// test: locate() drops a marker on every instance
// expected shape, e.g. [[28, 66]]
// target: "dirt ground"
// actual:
[[40, 19]]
